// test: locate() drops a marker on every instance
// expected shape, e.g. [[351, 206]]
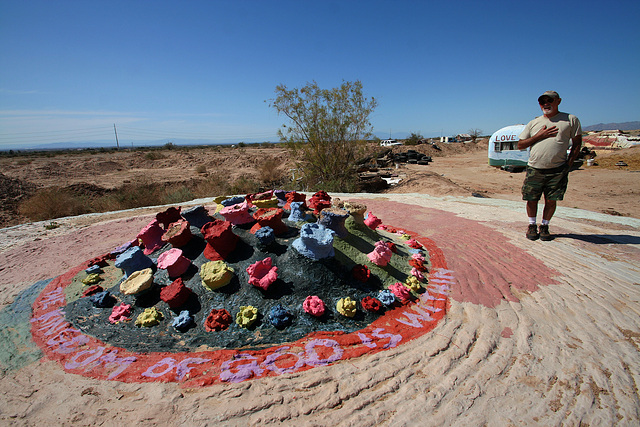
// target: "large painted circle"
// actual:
[[82, 354]]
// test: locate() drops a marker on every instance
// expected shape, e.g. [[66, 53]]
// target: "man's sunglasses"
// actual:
[[545, 100]]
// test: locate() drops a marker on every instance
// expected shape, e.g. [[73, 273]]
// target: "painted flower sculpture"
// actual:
[[174, 262], [262, 274], [151, 237], [314, 306], [381, 254], [413, 284], [175, 294], [386, 297], [150, 317], [221, 240], [178, 234], [215, 274], [92, 279], [138, 282], [372, 221], [120, 313], [417, 273], [217, 320], [361, 273], [279, 316], [400, 291], [371, 304], [346, 307], [183, 321], [246, 316], [414, 244]]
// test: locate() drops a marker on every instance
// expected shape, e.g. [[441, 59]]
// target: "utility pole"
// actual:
[[116, 132]]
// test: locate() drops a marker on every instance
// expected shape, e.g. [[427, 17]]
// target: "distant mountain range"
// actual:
[[613, 126]]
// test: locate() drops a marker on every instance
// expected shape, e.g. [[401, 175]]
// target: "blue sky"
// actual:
[[204, 69]]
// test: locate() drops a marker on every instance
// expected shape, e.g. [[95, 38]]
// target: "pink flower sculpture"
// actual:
[[262, 274], [313, 305], [372, 221], [120, 313], [414, 244], [237, 214], [419, 257], [361, 273], [151, 236], [417, 273], [381, 254], [173, 262], [400, 291]]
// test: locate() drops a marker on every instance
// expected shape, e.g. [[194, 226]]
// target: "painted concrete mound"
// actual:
[[326, 280]]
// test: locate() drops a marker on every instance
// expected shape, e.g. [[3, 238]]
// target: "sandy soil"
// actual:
[[537, 333], [612, 190]]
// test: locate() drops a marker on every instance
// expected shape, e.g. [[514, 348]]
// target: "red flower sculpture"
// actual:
[[361, 273], [371, 304], [217, 320]]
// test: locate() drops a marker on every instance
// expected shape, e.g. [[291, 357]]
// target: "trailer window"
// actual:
[[506, 145]]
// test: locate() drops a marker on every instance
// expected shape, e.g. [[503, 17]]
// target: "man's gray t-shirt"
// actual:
[[551, 152]]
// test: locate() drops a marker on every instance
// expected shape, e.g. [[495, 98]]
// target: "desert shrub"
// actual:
[[269, 171], [413, 139], [326, 130], [213, 186], [133, 195], [177, 193], [245, 185], [53, 202], [201, 169], [154, 155]]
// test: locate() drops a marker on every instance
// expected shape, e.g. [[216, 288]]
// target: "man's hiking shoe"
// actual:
[[532, 232], [544, 233]]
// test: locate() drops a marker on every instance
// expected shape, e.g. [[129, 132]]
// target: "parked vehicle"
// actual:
[[389, 143]]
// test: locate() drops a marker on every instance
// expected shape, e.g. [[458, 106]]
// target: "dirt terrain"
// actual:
[[542, 333], [457, 169]]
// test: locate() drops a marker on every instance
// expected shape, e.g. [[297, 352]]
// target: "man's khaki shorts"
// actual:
[[550, 182]]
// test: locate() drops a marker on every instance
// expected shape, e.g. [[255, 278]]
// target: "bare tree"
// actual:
[[475, 134]]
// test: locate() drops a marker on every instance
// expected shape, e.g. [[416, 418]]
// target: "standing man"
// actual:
[[548, 137]]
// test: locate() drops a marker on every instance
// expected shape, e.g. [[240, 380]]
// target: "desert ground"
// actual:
[[536, 333], [457, 170]]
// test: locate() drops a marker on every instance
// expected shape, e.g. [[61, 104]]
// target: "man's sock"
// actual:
[[532, 220], [545, 222]]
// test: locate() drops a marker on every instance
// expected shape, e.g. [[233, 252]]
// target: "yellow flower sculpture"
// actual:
[[150, 317], [246, 316], [92, 279], [215, 274], [346, 307], [413, 283]]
